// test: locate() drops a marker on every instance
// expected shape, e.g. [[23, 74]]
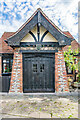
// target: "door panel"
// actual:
[[38, 72]]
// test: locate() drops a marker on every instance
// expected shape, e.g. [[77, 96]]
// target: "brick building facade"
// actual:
[[37, 56]]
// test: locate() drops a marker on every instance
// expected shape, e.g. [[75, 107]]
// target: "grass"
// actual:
[[34, 103], [25, 107], [51, 114], [68, 104], [55, 102], [66, 110], [70, 116], [60, 103], [35, 108], [21, 105]]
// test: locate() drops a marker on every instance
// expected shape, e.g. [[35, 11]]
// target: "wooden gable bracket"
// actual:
[[39, 18], [38, 30], [38, 25], [33, 36]]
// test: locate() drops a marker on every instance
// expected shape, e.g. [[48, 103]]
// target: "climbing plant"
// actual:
[[69, 58]]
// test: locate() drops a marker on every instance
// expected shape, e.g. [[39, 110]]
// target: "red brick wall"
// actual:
[[61, 82], [16, 84]]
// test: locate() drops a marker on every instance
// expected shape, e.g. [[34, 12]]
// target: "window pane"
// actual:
[[69, 70], [41, 67], [4, 61], [34, 67], [7, 63], [5, 67], [11, 63]]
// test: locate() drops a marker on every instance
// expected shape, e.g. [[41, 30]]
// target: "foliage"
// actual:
[[78, 76], [69, 58], [51, 114], [70, 116]]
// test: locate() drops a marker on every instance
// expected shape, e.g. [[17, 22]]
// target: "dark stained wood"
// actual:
[[45, 44], [62, 39], [43, 36], [15, 40], [38, 31], [39, 17], [38, 72], [33, 36], [38, 51], [5, 83]]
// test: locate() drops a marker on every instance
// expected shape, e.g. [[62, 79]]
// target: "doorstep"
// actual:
[[41, 94]]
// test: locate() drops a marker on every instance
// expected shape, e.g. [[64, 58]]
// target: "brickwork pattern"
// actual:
[[16, 84], [61, 82]]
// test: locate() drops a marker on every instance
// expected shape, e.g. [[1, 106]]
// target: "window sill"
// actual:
[[69, 73], [6, 74]]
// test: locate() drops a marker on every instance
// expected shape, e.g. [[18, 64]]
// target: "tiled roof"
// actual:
[[68, 34], [74, 45], [4, 48]]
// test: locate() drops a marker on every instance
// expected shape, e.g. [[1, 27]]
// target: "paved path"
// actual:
[[40, 105]]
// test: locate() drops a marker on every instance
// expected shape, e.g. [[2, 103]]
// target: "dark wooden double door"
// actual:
[[38, 73]]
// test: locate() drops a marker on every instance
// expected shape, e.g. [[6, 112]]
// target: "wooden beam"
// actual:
[[43, 36], [36, 51], [33, 36], [39, 17], [53, 44], [38, 32]]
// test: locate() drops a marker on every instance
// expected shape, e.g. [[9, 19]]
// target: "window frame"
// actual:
[[7, 57], [67, 70]]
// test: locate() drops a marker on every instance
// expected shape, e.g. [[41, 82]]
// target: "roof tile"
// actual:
[[4, 48]]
